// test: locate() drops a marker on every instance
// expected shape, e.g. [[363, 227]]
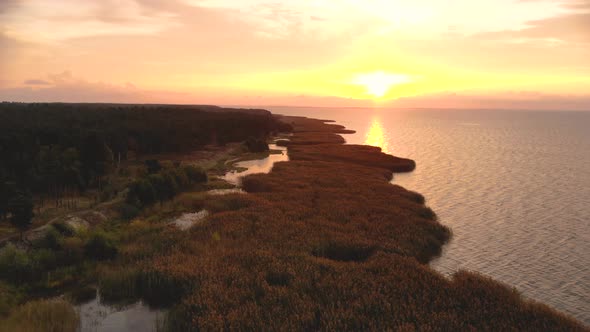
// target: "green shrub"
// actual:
[[145, 192], [153, 166], [181, 178], [171, 186], [43, 260], [195, 174], [256, 145], [72, 250], [128, 211], [52, 239], [160, 187], [100, 246], [15, 264], [64, 228]]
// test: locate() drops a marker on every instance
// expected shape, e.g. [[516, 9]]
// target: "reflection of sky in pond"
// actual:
[[257, 166], [98, 317]]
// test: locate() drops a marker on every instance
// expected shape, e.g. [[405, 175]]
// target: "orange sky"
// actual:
[[407, 53]]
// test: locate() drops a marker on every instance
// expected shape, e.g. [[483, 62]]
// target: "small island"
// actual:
[[324, 242]]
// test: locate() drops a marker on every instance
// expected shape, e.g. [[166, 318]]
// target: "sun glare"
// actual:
[[377, 136], [377, 84]]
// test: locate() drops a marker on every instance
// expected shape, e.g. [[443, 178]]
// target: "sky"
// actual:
[[532, 54]]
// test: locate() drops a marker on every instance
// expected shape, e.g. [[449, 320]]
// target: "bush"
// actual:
[[171, 186], [15, 265], [100, 247], [51, 240], [42, 260], [72, 250], [181, 178], [256, 145], [153, 166], [128, 211], [160, 187], [195, 174], [64, 228], [145, 192]]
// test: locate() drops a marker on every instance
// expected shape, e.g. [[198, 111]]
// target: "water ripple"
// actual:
[[515, 189]]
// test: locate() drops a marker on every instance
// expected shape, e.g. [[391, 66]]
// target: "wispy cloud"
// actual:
[[36, 82], [235, 48], [57, 20]]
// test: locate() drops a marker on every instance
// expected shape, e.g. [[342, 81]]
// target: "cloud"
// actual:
[[578, 4], [573, 26], [36, 82], [291, 19], [58, 20], [65, 87], [524, 100], [6, 5]]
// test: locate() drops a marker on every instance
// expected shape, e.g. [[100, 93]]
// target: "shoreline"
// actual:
[[323, 242], [326, 242]]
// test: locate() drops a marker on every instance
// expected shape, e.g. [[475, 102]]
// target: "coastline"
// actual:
[[325, 242]]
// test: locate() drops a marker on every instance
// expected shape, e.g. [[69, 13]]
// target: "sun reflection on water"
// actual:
[[376, 135]]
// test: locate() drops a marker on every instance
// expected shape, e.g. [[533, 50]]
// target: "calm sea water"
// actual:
[[514, 186]]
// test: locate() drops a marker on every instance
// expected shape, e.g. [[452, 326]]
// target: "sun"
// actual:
[[377, 84]]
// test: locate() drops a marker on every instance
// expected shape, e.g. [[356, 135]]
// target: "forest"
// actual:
[[54, 150]]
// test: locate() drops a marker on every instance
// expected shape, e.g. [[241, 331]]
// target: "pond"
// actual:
[[96, 316], [256, 166]]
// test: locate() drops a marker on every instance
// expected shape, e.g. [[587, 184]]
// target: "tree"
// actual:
[[6, 192], [143, 191], [195, 174], [256, 145], [21, 207], [159, 184], [70, 161], [171, 187], [153, 166], [96, 158], [4, 196]]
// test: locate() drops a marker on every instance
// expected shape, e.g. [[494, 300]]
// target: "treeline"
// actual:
[[56, 150]]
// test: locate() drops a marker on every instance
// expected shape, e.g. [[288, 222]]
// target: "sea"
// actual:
[[514, 187]]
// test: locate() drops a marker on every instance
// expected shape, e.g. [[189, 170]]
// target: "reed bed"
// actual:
[[323, 243]]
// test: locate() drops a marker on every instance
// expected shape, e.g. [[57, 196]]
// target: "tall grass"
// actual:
[[41, 316]]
